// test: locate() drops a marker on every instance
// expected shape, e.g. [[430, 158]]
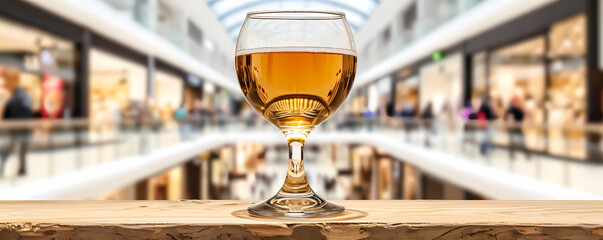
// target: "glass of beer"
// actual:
[[295, 68]]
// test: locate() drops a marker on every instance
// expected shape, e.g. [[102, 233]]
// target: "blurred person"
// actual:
[[181, 115], [407, 113], [485, 111], [533, 121], [105, 115], [450, 117], [515, 115], [427, 111], [248, 115], [369, 117], [390, 109], [220, 117], [515, 111], [199, 114], [115, 113], [407, 110], [166, 115], [97, 112], [132, 112], [427, 120], [368, 114], [468, 115], [145, 115], [530, 109], [156, 116], [499, 107], [448, 112], [450, 127], [486, 114], [19, 106], [144, 123], [4, 93], [348, 121]]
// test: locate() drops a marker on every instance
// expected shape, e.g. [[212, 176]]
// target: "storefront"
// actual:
[[441, 84], [568, 82], [117, 87], [192, 92], [207, 99], [222, 103], [358, 102], [406, 93], [545, 68], [382, 102], [168, 93], [434, 82], [42, 64], [523, 72], [544, 71]]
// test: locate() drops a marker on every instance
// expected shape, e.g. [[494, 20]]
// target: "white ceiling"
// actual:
[[231, 13]]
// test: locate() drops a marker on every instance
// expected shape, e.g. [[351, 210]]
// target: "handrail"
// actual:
[[12, 124]]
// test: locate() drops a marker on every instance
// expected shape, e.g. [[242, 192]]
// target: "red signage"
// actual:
[[52, 97]]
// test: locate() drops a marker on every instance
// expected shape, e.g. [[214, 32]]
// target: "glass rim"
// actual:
[[295, 14]]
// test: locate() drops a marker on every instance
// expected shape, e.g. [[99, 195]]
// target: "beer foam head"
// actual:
[[296, 49]]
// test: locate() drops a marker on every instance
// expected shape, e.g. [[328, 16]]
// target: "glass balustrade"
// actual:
[[414, 22], [42, 149], [169, 23]]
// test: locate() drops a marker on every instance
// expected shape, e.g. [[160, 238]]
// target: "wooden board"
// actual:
[[193, 219]]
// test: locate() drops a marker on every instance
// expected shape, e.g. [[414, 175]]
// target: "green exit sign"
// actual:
[[437, 56]]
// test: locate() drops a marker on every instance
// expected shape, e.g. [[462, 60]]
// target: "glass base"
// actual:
[[295, 206]]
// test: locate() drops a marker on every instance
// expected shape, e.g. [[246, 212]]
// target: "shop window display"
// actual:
[[168, 96], [516, 75], [479, 86], [191, 94], [222, 103], [407, 96], [441, 84], [358, 103], [39, 63], [207, 101], [567, 93], [384, 95], [117, 91], [517, 81]]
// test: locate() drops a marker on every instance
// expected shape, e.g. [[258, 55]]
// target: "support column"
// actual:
[[594, 83], [150, 77], [412, 182], [594, 76], [81, 84], [205, 178], [391, 108]]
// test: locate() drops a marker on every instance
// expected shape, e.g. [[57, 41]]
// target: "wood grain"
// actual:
[[363, 220]]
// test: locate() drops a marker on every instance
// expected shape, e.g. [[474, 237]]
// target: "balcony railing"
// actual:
[[38, 150], [169, 24], [430, 19]]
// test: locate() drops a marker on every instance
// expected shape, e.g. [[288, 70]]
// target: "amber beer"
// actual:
[[296, 89]]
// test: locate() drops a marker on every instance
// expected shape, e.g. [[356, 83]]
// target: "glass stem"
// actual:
[[296, 183]]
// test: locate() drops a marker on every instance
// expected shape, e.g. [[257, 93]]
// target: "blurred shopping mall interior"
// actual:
[[453, 99]]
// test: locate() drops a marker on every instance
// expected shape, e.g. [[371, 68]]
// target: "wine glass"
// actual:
[[295, 67]]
